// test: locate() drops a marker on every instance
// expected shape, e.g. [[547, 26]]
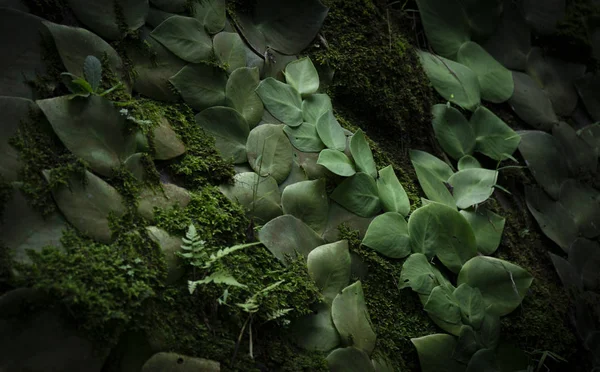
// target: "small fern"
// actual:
[[193, 247]]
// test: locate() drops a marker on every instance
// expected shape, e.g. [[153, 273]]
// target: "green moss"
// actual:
[[219, 222], [397, 315], [5, 194], [377, 76]]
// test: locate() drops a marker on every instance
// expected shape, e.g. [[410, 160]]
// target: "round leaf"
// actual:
[[471, 304], [283, 101], [307, 200], [270, 152], [358, 194], [472, 186], [316, 331], [531, 103], [337, 162], [229, 50], [362, 155], [391, 193], [446, 25], [314, 106], [305, 137], [212, 14], [302, 75], [468, 162], [185, 37], [229, 129], [420, 275], [388, 235], [494, 138], [452, 131], [443, 306], [487, 226], [329, 266], [201, 85], [331, 132], [502, 284], [240, 94]]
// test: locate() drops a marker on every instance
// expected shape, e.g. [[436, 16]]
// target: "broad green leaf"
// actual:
[[554, 220], [24, 228], [201, 85], [362, 155], [420, 275], [443, 306], [302, 75], [494, 138], [286, 236], [270, 152], [495, 81], [351, 318], [472, 186], [229, 129], [14, 110], [471, 304], [308, 201], [240, 94], [489, 331], [445, 24], [87, 203], [337, 162], [185, 37], [329, 266], [433, 175], [468, 162], [556, 78], [466, 345], [92, 129], [259, 196], [102, 17], [391, 193], [443, 231], [305, 137], [435, 353], [283, 101], [545, 158], [452, 131], [167, 144], [454, 81], [531, 103], [358, 194], [487, 226], [349, 359], [502, 284], [229, 50], [388, 235], [92, 70], [314, 106], [483, 360], [286, 27], [169, 245], [316, 331], [212, 14], [331, 132]]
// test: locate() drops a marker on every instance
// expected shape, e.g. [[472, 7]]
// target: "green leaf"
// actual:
[[487, 226], [92, 70], [329, 266], [167, 144], [316, 331], [185, 37], [502, 284], [494, 138], [468, 162], [388, 235], [212, 14], [240, 94], [308, 201], [391, 193], [495, 80], [92, 129], [358, 194], [259, 196], [483, 360], [229, 129], [229, 50], [314, 106], [362, 155], [466, 345], [446, 25], [471, 304], [582, 203], [472, 186], [283, 101], [443, 306], [351, 318], [302, 75], [454, 81], [435, 353], [201, 85], [349, 359], [286, 235], [83, 85], [452, 130], [337, 162], [443, 231], [433, 174], [418, 274], [270, 152], [305, 137], [288, 28], [87, 204], [581, 157], [531, 103], [331, 132]]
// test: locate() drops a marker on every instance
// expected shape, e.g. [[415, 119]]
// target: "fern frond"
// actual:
[[214, 257], [279, 313]]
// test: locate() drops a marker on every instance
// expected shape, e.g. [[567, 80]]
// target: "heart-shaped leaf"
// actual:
[[314, 106], [358, 194], [201, 85], [229, 129], [487, 226], [283, 101], [420, 275], [472, 186], [305, 137], [471, 304], [302, 75], [307, 200], [362, 155], [316, 331], [185, 37], [329, 266], [433, 175], [453, 131], [331, 132], [531, 103], [240, 94], [493, 137], [442, 305], [270, 152], [391, 193], [468, 162], [229, 50], [337, 162], [388, 235], [446, 25], [212, 14]]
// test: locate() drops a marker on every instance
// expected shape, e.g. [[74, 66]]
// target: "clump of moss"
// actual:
[[397, 315], [377, 75]]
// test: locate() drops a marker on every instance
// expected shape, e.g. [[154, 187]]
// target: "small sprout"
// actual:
[[90, 83]]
